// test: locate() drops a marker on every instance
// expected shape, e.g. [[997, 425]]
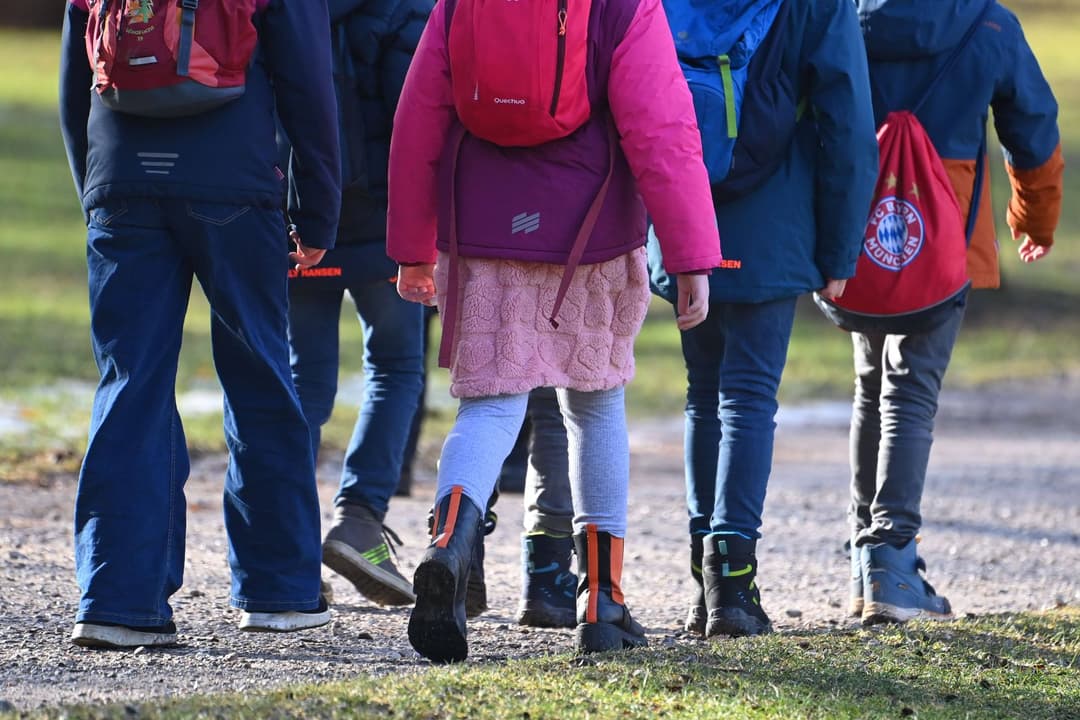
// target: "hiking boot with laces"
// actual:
[[729, 570], [361, 549], [548, 588], [894, 588], [855, 596]]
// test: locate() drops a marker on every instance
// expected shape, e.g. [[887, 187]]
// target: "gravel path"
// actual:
[[1002, 533]]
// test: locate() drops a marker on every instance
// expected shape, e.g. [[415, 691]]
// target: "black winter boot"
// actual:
[[476, 590], [437, 623], [604, 622], [696, 615], [728, 569], [547, 585]]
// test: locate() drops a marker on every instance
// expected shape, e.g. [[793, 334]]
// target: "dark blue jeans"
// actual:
[[129, 506], [393, 376], [734, 361], [897, 382]]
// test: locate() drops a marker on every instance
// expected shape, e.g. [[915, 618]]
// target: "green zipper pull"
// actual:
[[729, 95]]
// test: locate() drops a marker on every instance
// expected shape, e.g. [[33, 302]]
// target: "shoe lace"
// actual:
[[391, 539], [920, 567]]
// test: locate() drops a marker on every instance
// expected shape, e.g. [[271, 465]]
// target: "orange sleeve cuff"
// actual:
[[1035, 205]]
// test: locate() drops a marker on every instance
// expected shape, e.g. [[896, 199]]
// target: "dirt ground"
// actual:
[[1002, 533]]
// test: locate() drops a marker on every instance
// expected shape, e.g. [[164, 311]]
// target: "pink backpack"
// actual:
[[518, 68]]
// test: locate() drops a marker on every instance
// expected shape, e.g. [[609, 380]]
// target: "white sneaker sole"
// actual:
[[115, 636], [289, 621], [877, 612]]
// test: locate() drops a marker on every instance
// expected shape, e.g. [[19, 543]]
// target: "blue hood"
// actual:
[[340, 8], [914, 29]]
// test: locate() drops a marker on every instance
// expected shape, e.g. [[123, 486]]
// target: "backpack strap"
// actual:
[[980, 160], [953, 57], [187, 36], [450, 312]]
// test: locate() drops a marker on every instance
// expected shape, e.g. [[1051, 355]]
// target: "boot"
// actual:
[[547, 585], [437, 622], [361, 549], [604, 622], [894, 588], [476, 589], [728, 569], [696, 615], [856, 593]]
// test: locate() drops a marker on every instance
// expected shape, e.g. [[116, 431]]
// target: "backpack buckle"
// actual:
[[189, 4]]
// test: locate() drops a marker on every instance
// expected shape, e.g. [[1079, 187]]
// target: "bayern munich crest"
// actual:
[[894, 234]]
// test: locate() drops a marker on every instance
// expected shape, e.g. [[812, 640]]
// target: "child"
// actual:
[[169, 199], [898, 377], [371, 56], [797, 232], [516, 214]]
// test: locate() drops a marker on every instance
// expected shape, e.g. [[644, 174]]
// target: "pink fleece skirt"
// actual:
[[505, 343]]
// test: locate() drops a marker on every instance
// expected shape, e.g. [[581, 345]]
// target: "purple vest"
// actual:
[[530, 203]]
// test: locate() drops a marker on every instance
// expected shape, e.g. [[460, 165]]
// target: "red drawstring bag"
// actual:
[[914, 258], [518, 68], [913, 268]]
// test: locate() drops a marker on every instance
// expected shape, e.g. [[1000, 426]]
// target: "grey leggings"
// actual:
[[598, 452]]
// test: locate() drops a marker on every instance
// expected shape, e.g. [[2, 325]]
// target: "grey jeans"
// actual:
[[548, 505], [897, 383]]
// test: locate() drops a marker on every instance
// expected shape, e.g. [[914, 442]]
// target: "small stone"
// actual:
[[196, 593], [139, 650], [793, 613], [364, 636], [229, 656]]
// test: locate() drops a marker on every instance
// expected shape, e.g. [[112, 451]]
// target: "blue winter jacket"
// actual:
[[228, 154], [908, 42], [805, 224]]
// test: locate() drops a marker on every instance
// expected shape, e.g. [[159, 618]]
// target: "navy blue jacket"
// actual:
[[908, 42], [228, 154], [805, 224]]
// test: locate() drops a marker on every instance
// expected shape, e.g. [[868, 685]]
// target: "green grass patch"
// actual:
[[1030, 328], [1009, 666]]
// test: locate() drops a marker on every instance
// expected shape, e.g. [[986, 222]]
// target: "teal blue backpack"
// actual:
[[746, 106]]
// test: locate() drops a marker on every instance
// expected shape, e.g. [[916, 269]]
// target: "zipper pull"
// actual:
[[562, 23]]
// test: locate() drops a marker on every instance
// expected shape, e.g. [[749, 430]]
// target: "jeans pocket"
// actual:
[[108, 212], [219, 214]]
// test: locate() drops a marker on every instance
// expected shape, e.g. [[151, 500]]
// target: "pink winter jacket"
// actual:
[[652, 111]]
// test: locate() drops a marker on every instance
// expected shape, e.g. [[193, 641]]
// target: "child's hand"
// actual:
[[1029, 251], [416, 283], [303, 257], [693, 303]]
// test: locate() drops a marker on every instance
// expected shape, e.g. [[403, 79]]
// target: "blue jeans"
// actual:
[[897, 382], [129, 507], [393, 377], [734, 361]]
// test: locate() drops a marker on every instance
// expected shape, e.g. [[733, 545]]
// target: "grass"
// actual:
[[1028, 329], [1009, 666]]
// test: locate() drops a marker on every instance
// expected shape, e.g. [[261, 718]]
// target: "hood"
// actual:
[[340, 8], [914, 29]]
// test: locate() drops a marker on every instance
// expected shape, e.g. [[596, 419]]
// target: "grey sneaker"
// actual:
[[359, 547]]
